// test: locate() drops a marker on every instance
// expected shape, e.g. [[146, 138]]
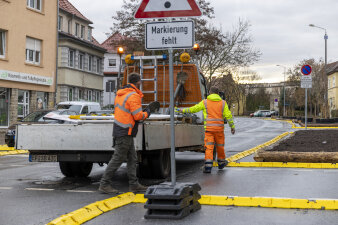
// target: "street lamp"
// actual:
[[325, 39], [120, 51], [283, 89]]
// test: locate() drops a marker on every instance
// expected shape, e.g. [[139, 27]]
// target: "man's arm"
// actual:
[[194, 109], [228, 116], [135, 106]]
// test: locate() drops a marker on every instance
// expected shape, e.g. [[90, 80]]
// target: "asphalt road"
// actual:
[[37, 193]]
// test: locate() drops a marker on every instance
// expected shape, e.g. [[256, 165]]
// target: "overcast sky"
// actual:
[[280, 28]]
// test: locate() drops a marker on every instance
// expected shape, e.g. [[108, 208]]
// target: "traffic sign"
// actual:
[[167, 8], [306, 70], [164, 35]]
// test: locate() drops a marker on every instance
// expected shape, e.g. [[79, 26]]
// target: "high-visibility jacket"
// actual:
[[215, 110], [128, 110]]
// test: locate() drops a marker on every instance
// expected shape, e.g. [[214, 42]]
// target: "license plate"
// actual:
[[43, 158]]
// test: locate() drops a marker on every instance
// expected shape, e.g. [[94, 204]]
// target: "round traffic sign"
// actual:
[[306, 70]]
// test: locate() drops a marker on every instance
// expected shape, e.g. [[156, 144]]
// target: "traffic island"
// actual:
[[305, 146]]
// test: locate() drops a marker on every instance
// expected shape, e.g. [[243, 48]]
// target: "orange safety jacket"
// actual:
[[215, 110], [214, 119], [128, 110]]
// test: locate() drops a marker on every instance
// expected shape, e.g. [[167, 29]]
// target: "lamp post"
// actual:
[[120, 51], [283, 89], [325, 40]]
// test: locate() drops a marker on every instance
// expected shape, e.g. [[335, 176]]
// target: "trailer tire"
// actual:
[[161, 164], [76, 169]]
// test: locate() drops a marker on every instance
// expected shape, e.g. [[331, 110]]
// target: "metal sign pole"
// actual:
[[305, 108], [172, 125]]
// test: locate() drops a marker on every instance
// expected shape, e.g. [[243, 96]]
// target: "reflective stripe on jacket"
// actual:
[[128, 110], [214, 112]]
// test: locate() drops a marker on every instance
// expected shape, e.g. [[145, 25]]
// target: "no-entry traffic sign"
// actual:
[[306, 70], [167, 8]]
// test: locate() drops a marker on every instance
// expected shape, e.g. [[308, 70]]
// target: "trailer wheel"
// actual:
[[161, 164], [76, 169]]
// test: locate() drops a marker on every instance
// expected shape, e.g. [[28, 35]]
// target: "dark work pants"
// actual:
[[124, 151]]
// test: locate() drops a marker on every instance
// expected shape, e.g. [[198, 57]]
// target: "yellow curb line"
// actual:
[[295, 127], [285, 165], [255, 149], [287, 203], [93, 210], [15, 152]]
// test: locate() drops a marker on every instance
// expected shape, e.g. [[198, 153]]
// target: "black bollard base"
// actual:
[[172, 202]]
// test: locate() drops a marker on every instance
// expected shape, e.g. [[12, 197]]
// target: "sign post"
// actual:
[[160, 36], [306, 82]]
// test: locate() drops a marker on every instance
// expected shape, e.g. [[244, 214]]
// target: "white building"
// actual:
[[111, 67]]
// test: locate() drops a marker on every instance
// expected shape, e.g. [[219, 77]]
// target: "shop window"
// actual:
[[41, 100], [4, 107], [70, 94], [23, 104], [33, 50]]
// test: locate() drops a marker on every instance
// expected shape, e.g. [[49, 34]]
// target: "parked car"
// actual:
[[274, 113], [102, 112], [261, 113], [79, 107], [33, 118]]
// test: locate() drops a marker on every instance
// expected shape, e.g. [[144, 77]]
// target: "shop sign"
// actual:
[[25, 77]]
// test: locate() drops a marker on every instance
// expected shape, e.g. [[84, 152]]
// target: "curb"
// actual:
[[93, 210], [284, 165]]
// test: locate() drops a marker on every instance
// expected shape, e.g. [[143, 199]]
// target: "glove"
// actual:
[[178, 110], [148, 111], [154, 106], [233, 130]]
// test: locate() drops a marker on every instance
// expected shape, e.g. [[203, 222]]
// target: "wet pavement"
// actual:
[[36, 193]]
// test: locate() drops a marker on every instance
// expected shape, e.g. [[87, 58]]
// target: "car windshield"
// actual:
[[63, 106], [75, 108], [35, 116]]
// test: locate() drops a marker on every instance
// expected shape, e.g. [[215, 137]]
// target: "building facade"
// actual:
[[28, 39], [80, 57], [332, 76], [112, 62]]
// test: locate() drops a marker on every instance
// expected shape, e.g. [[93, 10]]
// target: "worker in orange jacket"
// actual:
[[128, 111], [215, 110]]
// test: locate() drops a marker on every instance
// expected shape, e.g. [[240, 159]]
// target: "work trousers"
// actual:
[[124, 150], [211, 139]]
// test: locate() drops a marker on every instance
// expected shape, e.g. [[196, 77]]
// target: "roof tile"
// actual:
[[68, 7]]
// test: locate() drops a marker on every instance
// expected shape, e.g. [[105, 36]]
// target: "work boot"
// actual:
[[107, 189], [207, 169], [137, 188], [221, 165]]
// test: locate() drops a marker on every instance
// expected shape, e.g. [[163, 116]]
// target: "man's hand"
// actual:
[[178, 110], [233, 130]]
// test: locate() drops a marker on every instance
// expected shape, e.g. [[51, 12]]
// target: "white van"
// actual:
[[79, 107]]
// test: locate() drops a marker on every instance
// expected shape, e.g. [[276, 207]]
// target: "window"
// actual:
[[71, 55], [82, 31], [98, 65], [98, 96], [85, 110], [60, 23], [110, 86], [70, 94], [90, 63], [333, 81], [23, 104], [81, 93], [89, 34], [328, 83], [41, 100], [80, 61], [33, 50], [77, 27], [34, 4], [2, 44], [112, 62], [89, 95], [69, 26], [4, 107]]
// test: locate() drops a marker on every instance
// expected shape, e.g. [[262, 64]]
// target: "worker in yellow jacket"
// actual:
[[215, 110]]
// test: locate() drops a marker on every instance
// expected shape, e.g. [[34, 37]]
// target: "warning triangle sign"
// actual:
[[167, 8]]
